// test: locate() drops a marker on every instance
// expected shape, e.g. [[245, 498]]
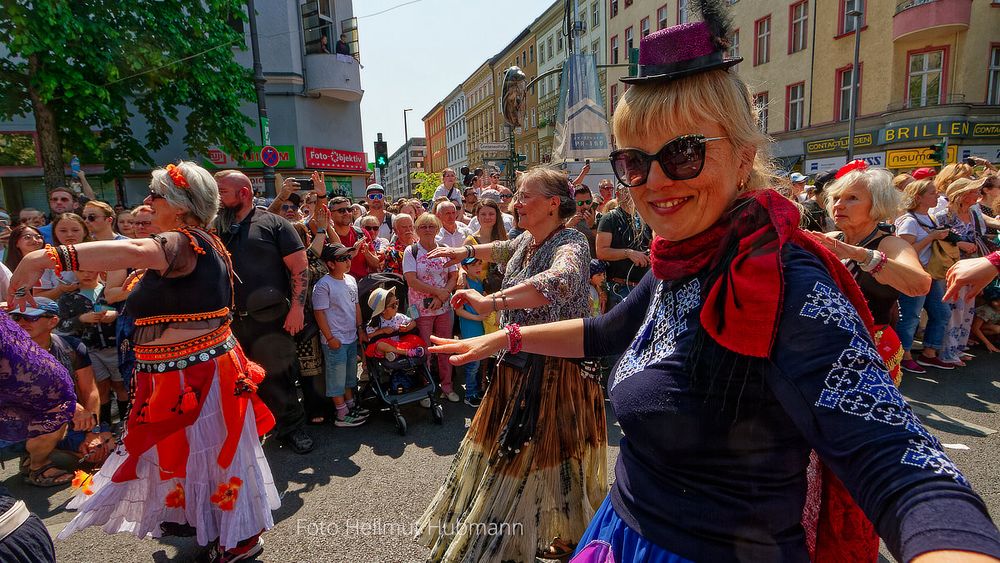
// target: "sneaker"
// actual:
[[934, 362], [451, 396], [349, 421], [238, 553], [426, 403], [912, 366], [473, 401], [298, 441], [360, 412]]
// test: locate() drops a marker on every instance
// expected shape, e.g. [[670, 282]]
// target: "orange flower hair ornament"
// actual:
[[82, 480], [177, 177]]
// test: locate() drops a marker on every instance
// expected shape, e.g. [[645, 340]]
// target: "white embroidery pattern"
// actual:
[[860, 385], [665, 321]]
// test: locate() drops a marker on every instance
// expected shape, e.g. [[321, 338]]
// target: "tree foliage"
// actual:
[[87, 69], [427, 182]]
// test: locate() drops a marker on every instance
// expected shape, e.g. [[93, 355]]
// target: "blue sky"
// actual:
[[397, 48]]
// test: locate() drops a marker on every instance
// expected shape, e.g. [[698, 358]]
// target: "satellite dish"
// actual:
[[513, 96]]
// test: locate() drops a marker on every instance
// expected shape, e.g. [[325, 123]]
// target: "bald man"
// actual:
[[272, 278]]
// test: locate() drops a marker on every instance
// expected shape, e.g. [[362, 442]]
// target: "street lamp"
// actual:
[[855, 78], [406, 141]]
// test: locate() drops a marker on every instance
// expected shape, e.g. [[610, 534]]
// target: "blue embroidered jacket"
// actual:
[[713, 462]]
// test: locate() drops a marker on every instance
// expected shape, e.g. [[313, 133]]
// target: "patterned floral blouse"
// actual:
[[36, 392], [559, 270]]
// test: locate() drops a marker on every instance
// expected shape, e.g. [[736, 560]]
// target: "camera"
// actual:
[[464, 171], [304, 183]]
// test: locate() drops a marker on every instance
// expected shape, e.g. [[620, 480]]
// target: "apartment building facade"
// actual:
[[407, 159], [436, 159], [456, 133], [480, 117]]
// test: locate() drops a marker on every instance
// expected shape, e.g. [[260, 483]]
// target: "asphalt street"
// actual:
[[357, 495]]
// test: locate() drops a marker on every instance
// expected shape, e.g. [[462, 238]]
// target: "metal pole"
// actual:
[[258, 81], [406, 147], [855, 78]]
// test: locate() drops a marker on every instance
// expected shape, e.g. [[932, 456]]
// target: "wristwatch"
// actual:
[[321, 231]]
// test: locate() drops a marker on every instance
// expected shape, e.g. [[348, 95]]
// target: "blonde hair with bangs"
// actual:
[[913, 191], [718, 95], [949, 174]]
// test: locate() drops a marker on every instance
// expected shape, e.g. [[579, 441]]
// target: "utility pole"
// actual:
[[406, 147], [855, 78], [258, 81]]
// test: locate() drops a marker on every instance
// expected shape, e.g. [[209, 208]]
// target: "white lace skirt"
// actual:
[[230, 504]]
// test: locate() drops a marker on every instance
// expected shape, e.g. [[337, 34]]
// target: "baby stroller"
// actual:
[[385, 377]]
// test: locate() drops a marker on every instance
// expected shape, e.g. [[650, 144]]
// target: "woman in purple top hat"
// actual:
[[756, 411]]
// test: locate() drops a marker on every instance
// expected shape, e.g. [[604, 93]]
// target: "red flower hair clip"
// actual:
[[851, 166], [177, 177]]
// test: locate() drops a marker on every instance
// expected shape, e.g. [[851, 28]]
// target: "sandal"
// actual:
[[37, 477], [557, 549]]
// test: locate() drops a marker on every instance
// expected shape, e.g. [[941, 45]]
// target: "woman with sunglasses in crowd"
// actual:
[[190, 461], [535, 454], [749, 346]]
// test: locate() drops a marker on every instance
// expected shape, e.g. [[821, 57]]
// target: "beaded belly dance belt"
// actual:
[[181, 355]]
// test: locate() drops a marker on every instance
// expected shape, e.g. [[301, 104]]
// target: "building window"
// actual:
[[760, 101], [559, 43], [848, 22], [993, 94], [924, 78], [524, 57], [595, 48], [843, 99], [799, 20], [629, 43], [661, 17], [548, 46], [762, 48], [795, 106], [531, 52], [614, 8], [541, 53], [682, 12], [614, 50], [734, 44], [644, 27], [613, 97], [595, 15]]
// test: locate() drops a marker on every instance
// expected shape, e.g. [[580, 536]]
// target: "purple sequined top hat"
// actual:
[[686, 49]]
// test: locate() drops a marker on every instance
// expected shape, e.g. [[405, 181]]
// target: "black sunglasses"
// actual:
[[681, 159], [289, 207], [156, 195]]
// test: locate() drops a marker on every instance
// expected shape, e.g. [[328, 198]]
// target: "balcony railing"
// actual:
[[337, 76], [903, 5], [915, 104], [914, 16]]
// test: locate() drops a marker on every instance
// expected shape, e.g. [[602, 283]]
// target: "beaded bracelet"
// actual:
[[881, 263], [513, 338], [469, 251], [74, 260], [994, 258], [53, 254]]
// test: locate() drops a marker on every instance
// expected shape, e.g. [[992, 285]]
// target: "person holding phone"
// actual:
[[431, 282]]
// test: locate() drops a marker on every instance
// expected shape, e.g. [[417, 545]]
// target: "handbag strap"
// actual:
[[12, 519]]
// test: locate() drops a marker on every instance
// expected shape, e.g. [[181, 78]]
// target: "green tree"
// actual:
[[86, 68], [427, 182]]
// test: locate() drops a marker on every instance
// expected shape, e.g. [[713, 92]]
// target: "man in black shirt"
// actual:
[[623, 242], [270, 293]]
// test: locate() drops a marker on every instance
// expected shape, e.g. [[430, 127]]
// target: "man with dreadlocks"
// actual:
[[747, 353]]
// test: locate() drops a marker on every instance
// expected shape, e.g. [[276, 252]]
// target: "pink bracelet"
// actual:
[[513, 338], [994, 258], [881, 262]]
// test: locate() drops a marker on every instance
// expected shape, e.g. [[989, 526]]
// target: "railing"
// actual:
[[903, 5], [944, 100]]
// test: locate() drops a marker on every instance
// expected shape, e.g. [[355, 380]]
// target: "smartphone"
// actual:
[[427, 302], [305, 184]]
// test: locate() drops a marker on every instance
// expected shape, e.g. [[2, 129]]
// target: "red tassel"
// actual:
[[189, 401], [256, 372]]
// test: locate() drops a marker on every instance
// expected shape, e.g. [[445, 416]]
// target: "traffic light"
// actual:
[[521, 158], [381, 154], [939, 152]]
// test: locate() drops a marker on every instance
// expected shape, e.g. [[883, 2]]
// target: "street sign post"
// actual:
[[269, 156]]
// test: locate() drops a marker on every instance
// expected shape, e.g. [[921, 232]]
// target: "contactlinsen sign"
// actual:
[[331, 159]]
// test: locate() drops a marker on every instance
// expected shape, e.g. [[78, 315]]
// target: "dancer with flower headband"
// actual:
[[190, 461]]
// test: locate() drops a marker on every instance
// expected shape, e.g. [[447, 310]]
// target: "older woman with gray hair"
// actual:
[[884, 265], [190, 455]]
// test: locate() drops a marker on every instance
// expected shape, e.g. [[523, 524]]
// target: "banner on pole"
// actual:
[[582, 130]]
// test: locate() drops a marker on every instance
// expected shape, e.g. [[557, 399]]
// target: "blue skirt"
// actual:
[[608, 539]]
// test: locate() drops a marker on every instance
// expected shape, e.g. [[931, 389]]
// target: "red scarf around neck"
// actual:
[[742, 253]]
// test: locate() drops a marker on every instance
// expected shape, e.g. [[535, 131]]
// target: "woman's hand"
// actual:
[[333, 343], [479, 302], [91, 318], [320, 218], [471, 349], [109, 317], [973, 273], [319, 183], [453, 255], [25, 277], [841, 249], [967, 247], [938, 234], [288, 187]]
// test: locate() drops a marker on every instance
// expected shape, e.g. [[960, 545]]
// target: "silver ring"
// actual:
[[21, 292]]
